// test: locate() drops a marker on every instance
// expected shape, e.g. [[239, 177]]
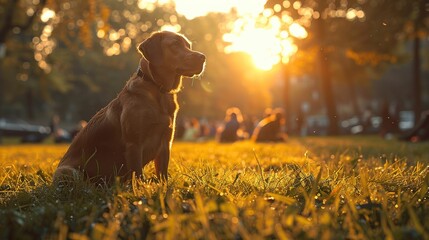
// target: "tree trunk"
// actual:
[[354, 97], [7, 26], [325, 74], [416, 79], [417, 62], [286, 97], [1, 87], [4, 32], [29, 97], [328, 94]]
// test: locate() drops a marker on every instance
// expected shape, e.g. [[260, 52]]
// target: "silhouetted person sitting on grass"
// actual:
[[230, 131], [269, 129]]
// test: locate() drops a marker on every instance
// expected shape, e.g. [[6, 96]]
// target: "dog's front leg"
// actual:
[[133, 156], [161, 162]]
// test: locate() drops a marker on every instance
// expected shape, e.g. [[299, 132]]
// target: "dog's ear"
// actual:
[[151, 49]]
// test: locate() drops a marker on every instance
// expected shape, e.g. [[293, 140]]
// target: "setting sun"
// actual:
[[260, 44], [267, 45], [256, 31]]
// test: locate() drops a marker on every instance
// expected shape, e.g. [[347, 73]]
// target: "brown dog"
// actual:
[[138, 125]]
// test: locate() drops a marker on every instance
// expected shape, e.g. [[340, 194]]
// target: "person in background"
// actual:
[[54, 124], [230, 131], [192, 130], [81, 124], [59, 134], [204, 129], [269, 129]]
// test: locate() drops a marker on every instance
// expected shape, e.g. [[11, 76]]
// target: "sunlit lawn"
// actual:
[[307, 188]]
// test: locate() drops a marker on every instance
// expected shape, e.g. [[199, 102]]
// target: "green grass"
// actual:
[[308, 188]]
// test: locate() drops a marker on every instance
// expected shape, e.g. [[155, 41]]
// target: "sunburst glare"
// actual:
[[256, 31], [264, 37], [267, 45]]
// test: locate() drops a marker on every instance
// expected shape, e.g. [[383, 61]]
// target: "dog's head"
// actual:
[[172, 51]]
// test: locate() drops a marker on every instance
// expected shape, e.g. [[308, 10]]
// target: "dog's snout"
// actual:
[[200, 56]]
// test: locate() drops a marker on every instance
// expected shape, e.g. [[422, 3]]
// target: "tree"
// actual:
[[365, 31], [395, 23], [419, 18], [60, 34], [31, 24], [325, 70], [18, 16], [315, 16]]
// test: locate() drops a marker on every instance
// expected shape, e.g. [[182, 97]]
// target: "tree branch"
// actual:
[[30, 20], [8, 19], [8, 25]]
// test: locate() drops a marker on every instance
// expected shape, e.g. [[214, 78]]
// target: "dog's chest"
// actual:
[[168, 104]]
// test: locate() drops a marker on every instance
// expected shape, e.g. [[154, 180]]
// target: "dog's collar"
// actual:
[[150, 79]]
